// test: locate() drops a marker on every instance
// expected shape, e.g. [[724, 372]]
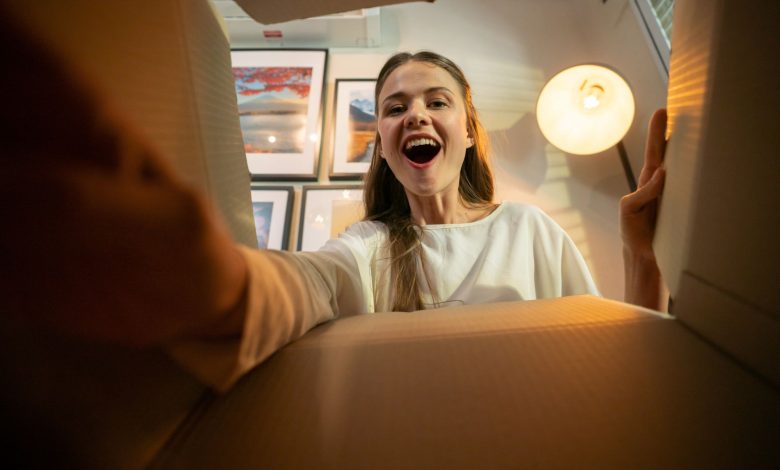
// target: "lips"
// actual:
[[421, 150]]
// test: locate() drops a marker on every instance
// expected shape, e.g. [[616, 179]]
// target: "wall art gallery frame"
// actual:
[[280, 94], [326, 211], [272, 210], [354, 119]]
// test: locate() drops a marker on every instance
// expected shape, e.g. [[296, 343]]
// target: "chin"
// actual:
[[428, 189]]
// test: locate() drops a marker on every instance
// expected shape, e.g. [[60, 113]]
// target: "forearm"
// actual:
[[283, 299], [643, 283], [230, 302]]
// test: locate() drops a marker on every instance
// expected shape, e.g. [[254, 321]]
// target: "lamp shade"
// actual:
[[585, 109]]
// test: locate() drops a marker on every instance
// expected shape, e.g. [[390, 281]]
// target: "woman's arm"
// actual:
[[103, 241], [638, 213]]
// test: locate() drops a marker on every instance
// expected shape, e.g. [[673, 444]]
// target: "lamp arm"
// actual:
[[626, 166]]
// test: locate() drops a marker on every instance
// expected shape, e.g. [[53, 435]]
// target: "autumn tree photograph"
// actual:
[[272, 107]]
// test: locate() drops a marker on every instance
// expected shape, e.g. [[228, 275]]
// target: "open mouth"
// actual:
[[421, 150]]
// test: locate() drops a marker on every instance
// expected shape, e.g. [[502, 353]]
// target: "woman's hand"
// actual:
[[100, 238], [638, 213]]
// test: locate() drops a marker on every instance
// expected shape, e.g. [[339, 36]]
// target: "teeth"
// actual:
[[421, 141]]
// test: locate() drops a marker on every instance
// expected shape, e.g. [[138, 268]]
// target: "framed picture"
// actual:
[[326, 211], [279, 94], [272, 209], [355, 128]]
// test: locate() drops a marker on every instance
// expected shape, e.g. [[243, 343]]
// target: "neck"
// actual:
[[444, 209]]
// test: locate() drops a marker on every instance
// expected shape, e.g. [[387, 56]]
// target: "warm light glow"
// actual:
[[313, 137], [591, 101], [585, 109], [345, 194], [271, 139]]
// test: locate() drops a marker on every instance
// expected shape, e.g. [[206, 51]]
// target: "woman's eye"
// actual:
[[438, 104], [395, 109]]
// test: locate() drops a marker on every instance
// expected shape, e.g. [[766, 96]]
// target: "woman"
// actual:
[[438, 239], [432, 235]]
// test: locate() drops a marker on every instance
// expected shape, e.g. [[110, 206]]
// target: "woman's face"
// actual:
[[423, 128]]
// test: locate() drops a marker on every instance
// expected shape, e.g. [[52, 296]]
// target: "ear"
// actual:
[[378, 145], [469, 138]]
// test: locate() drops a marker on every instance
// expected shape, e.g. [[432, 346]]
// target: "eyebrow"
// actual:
[[435, 89]]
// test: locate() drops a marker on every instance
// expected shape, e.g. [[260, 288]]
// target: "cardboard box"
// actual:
[[576, 382]]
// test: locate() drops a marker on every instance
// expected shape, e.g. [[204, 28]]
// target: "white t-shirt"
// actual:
[[515, 253]]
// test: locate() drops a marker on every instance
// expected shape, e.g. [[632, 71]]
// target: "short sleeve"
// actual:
[[565, 269], [357, 247], [575, 275]]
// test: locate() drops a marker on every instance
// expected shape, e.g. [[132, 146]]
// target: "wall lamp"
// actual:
[[587, 109]]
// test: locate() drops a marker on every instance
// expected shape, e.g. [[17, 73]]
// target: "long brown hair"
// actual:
[[385, 198]]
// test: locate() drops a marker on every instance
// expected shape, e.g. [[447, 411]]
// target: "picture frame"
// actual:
[[354, 112], [272, 211], [280, 94], [326, 211]]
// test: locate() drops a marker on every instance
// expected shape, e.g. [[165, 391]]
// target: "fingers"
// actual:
[[655, 146], [645, 194]]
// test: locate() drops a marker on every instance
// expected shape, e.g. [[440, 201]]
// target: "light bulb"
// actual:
[[593, 94], [271, 139], [591, 101]]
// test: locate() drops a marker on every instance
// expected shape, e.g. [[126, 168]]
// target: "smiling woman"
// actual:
[[430, 163]]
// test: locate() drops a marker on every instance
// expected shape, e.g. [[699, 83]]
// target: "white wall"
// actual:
[[508, 48]]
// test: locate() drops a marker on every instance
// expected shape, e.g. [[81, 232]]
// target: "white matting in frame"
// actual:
[[272, 208], [327, 211], [279, 95], [354, 129]]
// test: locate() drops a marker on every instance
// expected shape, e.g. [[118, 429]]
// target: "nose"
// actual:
[[417, 115]]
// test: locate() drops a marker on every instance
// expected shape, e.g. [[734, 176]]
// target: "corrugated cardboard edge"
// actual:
[[279, 11]]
